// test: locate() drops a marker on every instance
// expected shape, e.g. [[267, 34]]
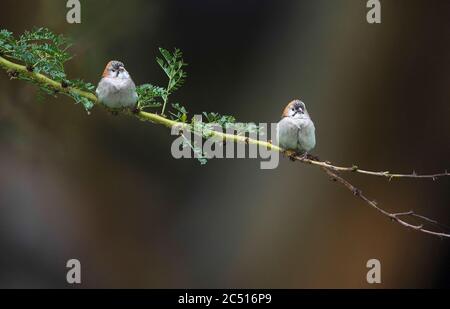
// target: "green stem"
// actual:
[[165, 99], [166, 95]]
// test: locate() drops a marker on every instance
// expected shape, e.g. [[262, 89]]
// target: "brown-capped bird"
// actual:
[[296, 131], [116, 89]]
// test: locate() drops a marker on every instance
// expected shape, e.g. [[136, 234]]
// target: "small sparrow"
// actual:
[[296, 131], [116, 89]]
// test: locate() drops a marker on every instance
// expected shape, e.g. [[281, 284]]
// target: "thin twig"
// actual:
[[393, 216], [396, 217], [356, 169]]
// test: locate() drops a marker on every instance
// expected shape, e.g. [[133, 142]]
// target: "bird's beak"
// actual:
[[299, 111]]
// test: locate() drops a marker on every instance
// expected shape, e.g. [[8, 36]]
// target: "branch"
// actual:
[[393, 216], [15, 69], [356, 169]]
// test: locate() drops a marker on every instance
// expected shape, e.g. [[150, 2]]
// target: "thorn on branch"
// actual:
[[13, 74], [407, 213], [136, 110], [356, 192]]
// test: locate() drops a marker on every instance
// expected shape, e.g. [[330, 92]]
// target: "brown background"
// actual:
[[106, 190]]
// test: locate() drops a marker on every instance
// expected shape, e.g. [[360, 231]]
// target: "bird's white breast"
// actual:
[[287, 133], [296, 134], [117, 92]]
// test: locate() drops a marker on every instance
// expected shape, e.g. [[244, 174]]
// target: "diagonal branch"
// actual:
[[14, 69], [397, 217]]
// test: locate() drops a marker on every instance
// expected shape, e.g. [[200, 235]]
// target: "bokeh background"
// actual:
[[106, 190]]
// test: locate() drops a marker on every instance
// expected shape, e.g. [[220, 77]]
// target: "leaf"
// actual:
[[87, 104], [200, 156], [172, 65], [149, 95]]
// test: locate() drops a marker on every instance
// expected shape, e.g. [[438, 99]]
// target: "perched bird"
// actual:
[[116, 89], [296, 131]]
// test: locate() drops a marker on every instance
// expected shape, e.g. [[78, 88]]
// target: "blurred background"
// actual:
[[106, 190]]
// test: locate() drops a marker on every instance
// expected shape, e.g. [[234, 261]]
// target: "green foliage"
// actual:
[[172, 65], [198, 152], [81, 85], [149, 95], [229, 122], [88, 104], [42, 51], [223, 120], [180, 113]]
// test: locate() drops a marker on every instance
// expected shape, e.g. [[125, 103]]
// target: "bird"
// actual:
[[296, 130], [116, 89]]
